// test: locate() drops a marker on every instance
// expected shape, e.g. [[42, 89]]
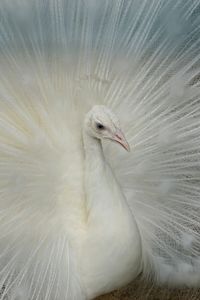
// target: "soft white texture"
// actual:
[[58, 59], [108, 259]]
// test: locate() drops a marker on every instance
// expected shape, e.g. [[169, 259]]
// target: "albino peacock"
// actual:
[[79, 215]]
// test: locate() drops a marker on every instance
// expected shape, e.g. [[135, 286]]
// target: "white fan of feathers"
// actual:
[[70, 229]]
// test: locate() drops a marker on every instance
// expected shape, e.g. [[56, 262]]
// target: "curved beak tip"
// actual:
[[120, 138], [128, 148]]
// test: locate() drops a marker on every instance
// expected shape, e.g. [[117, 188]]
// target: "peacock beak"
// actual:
[[120, 138]]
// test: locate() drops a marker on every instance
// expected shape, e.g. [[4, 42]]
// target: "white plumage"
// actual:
[[78, 219]]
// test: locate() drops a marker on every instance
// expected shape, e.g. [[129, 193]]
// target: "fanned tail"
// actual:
[[58, 58], [39, 191], [158, 98]]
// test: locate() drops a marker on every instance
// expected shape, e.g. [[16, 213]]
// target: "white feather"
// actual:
[[58, 59]]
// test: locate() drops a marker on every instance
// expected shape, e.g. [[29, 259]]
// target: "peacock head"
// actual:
[[102, 123]]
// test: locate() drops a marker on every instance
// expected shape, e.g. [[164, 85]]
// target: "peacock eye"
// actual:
[[100, 126]]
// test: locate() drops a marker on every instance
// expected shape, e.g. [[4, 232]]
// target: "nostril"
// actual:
[[119, 137]]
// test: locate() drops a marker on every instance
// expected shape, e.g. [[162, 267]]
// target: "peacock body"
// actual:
[[78, 215]]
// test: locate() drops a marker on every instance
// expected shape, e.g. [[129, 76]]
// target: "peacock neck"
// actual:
[[95, 171], [103, 194], [94, 156], [112, 244]]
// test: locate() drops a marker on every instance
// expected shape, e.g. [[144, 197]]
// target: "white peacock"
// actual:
[[79, 215]]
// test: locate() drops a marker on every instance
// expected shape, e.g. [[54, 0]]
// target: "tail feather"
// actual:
[[161, 179], [58, 58]]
